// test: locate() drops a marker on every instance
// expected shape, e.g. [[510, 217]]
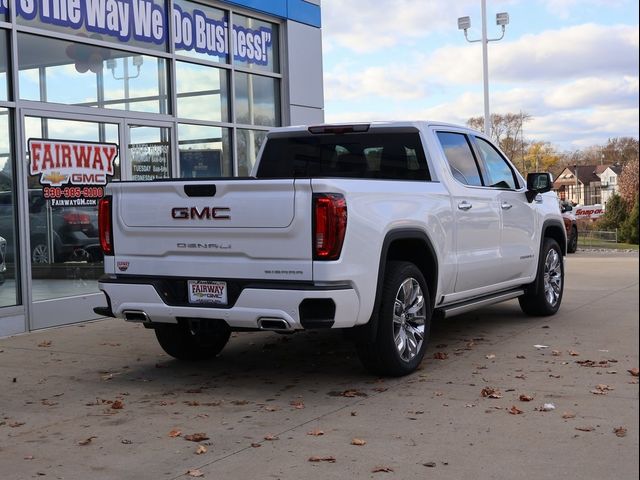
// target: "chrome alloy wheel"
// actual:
[[409, 316], [40, 254], [552, 277]]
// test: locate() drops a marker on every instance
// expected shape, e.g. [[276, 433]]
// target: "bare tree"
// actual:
[[507, 132], [628, 182]]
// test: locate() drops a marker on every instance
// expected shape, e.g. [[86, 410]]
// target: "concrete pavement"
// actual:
[[259, 401]]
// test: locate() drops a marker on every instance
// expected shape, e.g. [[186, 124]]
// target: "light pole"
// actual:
[[464, 23]]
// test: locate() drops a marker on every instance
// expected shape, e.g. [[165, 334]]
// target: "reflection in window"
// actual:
[[460, 158], [202, 92], [249, 143], [255, 44], [257, 100], [500, 174], [9, 279], [78, 74], [4, 61], [204, 151]]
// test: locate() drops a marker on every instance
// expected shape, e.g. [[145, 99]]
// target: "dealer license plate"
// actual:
[[205, 291]]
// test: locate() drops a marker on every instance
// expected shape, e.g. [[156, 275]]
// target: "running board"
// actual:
[[469, 305]]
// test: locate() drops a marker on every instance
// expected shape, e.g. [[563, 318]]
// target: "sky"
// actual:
[[570, 64]]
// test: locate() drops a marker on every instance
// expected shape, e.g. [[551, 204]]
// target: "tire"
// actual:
[[572, 243], [404, 321], [40, 252], [543, 297], [182, 343]]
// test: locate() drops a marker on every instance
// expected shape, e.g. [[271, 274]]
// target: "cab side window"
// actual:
[[499, 172], [460, 157]]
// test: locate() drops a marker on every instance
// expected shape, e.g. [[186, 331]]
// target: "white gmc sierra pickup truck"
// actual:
[[374, 228]]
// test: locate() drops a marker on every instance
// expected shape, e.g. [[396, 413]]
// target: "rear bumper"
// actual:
[[301, 306]]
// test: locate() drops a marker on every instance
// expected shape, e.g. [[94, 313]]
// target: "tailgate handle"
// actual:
[[200, 190]]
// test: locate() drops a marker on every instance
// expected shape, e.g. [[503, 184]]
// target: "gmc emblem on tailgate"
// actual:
[[206, 213]]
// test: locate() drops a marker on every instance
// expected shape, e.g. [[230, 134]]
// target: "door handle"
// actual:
[[464, 206], [506, 206]]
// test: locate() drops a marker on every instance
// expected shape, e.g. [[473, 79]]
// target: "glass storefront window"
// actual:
[[204, 151], [64, 250], [202, 92], [4, 64], [249, 143], [140, 23], [200, 31], [79, 74], [149, 152], [257, 100], [255, 44], [9, 278]]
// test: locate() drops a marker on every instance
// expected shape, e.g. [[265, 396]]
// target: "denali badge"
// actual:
[[206, 213]]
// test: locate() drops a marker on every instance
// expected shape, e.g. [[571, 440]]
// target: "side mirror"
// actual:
[[538, 183]]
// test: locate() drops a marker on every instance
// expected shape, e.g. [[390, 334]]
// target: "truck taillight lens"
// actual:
[[77, 218], [105, 225], [330, 225]]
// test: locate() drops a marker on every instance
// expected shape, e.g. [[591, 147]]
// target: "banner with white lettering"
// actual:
[[145, 21], [72, 173]]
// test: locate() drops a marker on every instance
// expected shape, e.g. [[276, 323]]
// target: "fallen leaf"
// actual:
[[547, 407], [29, 457], [271, 408], [175, 433], [270, 438], [195, 473], [191, 403], [586, 428], [16, 424], [201, 449], [633, 371], [602, 389], [620, 432], [255, 445], [86, 441], [429, 464], [297, 404], [540, 347], [358, 442], [124, 441], [196, 437], [45, 343], [521, 376], [515, 410], [352, 392], [573, 353], [490, 356], [315, 433], [323, 459], [525, 398], [240, 402], [491, 392], [556, 353], [521, 357], [383, 469], [568, 415], [117, 405], [380, 389], [440, 355]]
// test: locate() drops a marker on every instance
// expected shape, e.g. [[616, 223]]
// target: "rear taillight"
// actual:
[[105, 225], [330, 225], [77, 218]]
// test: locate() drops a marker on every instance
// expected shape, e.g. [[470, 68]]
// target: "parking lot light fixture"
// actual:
[[464, 23]]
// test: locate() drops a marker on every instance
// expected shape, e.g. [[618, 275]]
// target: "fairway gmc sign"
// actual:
[[72, 173]]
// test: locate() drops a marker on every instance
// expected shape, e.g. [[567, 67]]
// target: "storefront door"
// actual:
[[69, 160]]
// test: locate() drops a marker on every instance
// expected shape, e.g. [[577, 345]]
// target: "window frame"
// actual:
[[474, 154]]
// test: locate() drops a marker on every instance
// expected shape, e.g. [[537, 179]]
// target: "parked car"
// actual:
[[74, 230], [570, 226]]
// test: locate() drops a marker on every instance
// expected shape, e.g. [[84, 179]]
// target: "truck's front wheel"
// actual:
[[182, 342], [404, 320]]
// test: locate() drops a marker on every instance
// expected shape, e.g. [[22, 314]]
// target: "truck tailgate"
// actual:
[[228, 228]]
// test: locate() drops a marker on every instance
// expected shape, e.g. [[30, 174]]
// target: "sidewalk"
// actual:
[[102, 401]]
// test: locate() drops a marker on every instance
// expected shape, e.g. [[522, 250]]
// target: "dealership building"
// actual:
[[93, 91]]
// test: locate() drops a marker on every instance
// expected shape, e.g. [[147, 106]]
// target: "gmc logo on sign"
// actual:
[[206, 213]]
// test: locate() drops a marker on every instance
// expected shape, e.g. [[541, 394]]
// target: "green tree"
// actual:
[[615, 214], [629, 229]]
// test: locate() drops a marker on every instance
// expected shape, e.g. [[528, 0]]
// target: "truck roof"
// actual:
[[420, 124]]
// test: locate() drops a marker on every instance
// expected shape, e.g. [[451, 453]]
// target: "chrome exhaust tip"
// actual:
[[274, 325], [137, 316]]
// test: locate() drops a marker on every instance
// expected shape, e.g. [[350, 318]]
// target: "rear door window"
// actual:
[[392, 156], [460, 157]]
